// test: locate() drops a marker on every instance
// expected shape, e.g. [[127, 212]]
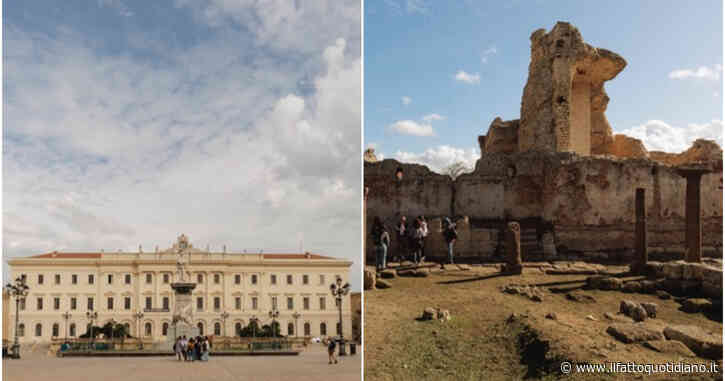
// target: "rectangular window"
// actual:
[[73, 302], [127, 278], [322, 279], [199, 303], [74, 279], [40, 304], [254, 278], [110, 303], [57, 278], [322, 303], [216, 278], [22, 304], [110, 278], [290, 303], [166, 278], [127, 303], [149, 278], [289, 279], [90, 278], [217, 303], [40, 279], [305, 279], [273, 279], [56, 303], [199, 278], [237, 279], [166, 302], [238, 303], [254, 303], [274, 302], [90, 304], [306, 303], [149, 302]]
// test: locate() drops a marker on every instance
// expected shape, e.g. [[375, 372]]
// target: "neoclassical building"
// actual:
[[119, 285]]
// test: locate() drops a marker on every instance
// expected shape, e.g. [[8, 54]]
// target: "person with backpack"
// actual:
[[402, 239], [381, 239], [331, 344], [450, 234]]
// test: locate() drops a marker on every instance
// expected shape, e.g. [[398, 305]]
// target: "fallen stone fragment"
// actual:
[[669, 347], [551, 315], [639, 314], [382, 284], [406, 273], [443, 315], [387, 274], [429, 313], [651, 309], [617, 318], [632, 287], [625, 306], [369, 280], [696, 305], [610, 284], [648, 286], [662, 294], [580, 297], [633, 333], [592, 318], [702, 343]]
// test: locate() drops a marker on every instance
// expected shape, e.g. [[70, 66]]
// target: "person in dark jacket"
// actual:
[[450, 234], [402, 239], [381, 239]]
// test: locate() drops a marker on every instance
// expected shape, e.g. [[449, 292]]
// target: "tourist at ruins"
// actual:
[[415, 240], [183, 347], [331, 344], [197, 348], [424, 229], [177, 348], [450, 234], [402, 239], [381, 240], [190, 350]]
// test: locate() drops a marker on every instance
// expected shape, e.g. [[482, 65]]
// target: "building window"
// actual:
[[73, 330], [322, 303], [21, 330], [273, 279], [165, 329], [274, 302], [200, 278], [57, 278], [166, 278], [216, 279], [149, 302], [91, 278], [147, 329], [237, 279], [23, 278], [305, 279], [56, 330], [200, 325], [238, 329], [127, 278], [74, 279], [40, 278], [110, 303], [307, 329], [73, 303], [254, 303], [56, 303], [290, 303], [290, 329], [149, 278], [323, 329], [217, 329], [165, 302], [289, 279], [254, 278], [217, 303], [40, 304], [238, 303], [90, 304], [22, 304], [110, 278], [127, 303], [38, 330], [199, 303], [306, 303], [322, 279]]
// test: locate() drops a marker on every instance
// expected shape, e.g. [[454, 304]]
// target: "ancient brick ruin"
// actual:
[[563, 176]]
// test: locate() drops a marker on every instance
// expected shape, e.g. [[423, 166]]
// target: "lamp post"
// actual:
[[339, 290], [224, 316], [66, 316], [296, 316], [274, 314], [92, 316], [139, 316], [19, 291]]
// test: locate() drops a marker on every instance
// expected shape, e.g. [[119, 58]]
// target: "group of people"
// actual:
[[194, 348], [411, 239]]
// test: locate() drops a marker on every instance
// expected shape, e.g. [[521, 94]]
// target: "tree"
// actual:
[[456, 169]]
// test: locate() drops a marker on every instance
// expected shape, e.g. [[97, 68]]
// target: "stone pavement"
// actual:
[[311, 364]]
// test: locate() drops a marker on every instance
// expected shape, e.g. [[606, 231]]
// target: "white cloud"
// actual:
[[657, 135], [409, 127], [702, 72], [406, 100], [488, 52], [471, 79], [118, 5], [431, 117], [439, 158]]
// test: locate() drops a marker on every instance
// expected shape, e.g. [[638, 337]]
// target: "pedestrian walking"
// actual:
[[205, 349], [331, 344]]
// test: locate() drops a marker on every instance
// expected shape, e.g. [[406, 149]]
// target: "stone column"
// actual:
[[693, 227], [513, 249], [640, 232]]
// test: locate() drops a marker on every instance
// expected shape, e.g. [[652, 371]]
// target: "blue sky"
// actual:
[[130, 122], [669, 94]]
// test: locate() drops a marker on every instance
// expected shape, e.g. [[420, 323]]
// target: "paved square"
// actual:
[[309, 365]]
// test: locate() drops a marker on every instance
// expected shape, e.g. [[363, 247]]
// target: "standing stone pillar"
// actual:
[[640, 232], [693, 228], [513, 249]]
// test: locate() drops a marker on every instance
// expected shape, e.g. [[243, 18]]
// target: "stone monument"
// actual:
[[182, 320]]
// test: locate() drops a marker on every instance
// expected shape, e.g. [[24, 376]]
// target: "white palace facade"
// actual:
[[120, 285]]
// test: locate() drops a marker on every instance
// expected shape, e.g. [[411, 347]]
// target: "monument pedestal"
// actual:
[[183, 323]]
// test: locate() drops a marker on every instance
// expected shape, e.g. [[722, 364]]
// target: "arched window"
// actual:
[[307, 329], [147, 329], [200, 325], [56, 330], [21, 330], [290, 329], [165, 329], [217, 329], [128, 328], [237, 329], [72, 330], [323, 329], [38, 330]]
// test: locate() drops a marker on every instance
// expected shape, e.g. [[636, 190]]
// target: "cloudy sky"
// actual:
[[130, 122], [438, 73]]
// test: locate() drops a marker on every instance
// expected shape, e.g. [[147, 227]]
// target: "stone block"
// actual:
[[633, 333], [695, 305], [698, 340]]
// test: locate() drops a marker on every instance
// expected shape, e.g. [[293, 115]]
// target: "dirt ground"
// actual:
[[482, 342]]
